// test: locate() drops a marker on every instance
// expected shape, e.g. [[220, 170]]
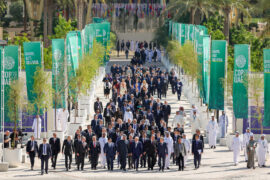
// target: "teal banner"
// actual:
[[218, 59], [183, 34], [266, 62], [240, 91], [58, 72], [170, 28], [33, 60], [2, 87], [11, 73], [206, 69], [200, 60]]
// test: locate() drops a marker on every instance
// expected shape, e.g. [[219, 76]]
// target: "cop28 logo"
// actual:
[[57, 54], [9, 62], [241, 61]]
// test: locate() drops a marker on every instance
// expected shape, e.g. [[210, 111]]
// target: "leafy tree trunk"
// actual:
[[80, 14], [45, 24], [89, 10], [50, 16], [227, 23], [25, 16], [192, 16], [67, 13]]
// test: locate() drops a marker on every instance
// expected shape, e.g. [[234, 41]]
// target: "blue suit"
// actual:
[[196, 147], [162, 152], [137, 151], [110, 151], [44, 153]]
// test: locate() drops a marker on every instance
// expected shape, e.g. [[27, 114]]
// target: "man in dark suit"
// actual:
[[162, 153], [137, 151], [98, 106], [151, 152], [31, 150], [159, 85], [197, 150], [44, 153], [94, 152], [198, 132], [178, 88], [94, 122], [144, 141], [108, 113], [158, 116], [110, 152], [67, 150], [122, 151], [166, 109], [81, 149], [55, 146]]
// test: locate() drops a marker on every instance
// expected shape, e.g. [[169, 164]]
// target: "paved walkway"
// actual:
[[216, 164]]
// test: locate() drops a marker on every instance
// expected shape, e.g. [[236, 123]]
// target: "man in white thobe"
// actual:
[[246, 141], [128, 115], [262, 150], [237, 146], [63, 116], [102, 141], [212, 129], [132, 45], [169, 141], [37, 127], [195, 122], [223, 124], [187, 146], [193, 108]]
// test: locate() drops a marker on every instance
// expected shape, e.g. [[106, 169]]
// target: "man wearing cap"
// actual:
[[237, 146], [212, 129], [245, 142], [262, 150], [195, 122], [223, 124], [251, 146]]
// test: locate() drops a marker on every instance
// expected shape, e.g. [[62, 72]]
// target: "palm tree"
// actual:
[[181, 7], [226, 7]]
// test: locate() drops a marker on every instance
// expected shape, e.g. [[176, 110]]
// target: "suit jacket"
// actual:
[[200, 138], [67, 147], [94, 123], [158, 116], [162, 149], [197, 145], [80, 148], [137, 150], [98, 106], [122, 128], [110, 150], [151, 147], [29, 146], [48, 149], [178, 151], [94, 150], [166, 110], [122, 147], [55, 145]]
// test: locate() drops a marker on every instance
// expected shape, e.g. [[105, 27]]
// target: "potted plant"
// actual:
[[15, 103]]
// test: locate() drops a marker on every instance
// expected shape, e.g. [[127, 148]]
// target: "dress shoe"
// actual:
[[159, 168], [168, 168], [42, 173], [46, 172], [69, 167], [66, 169]]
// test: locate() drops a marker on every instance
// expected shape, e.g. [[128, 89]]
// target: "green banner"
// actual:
[[170, 28], [191, 32], [33, 60], [183, 34], [240, 92], [206, 69], [187, 32], [218, 59], [200, 60], [11, 73], [2, 87], [58, 72], [266, 60]]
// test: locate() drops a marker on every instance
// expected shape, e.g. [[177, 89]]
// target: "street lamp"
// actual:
[[3, 43]]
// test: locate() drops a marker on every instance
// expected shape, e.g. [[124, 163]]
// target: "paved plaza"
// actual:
[[216, 164]]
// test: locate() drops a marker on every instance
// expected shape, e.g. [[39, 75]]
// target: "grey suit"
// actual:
[[180, 152]]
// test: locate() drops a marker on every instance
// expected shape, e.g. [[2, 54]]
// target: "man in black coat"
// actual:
[[94, 151], [162, 153], [55, 146], [81, 150], [31, 150], [98, 106], [44, 153], [166, 109], [122, 151], [158, 116], [68, 150], [197, 150], [159, 85], [198, 132], [108, 114], [110, 152], [178, 88], [151, 152], [144, 141]]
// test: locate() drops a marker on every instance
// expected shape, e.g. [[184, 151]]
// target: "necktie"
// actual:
[[94, 145], [32, 144], [44, 149]]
